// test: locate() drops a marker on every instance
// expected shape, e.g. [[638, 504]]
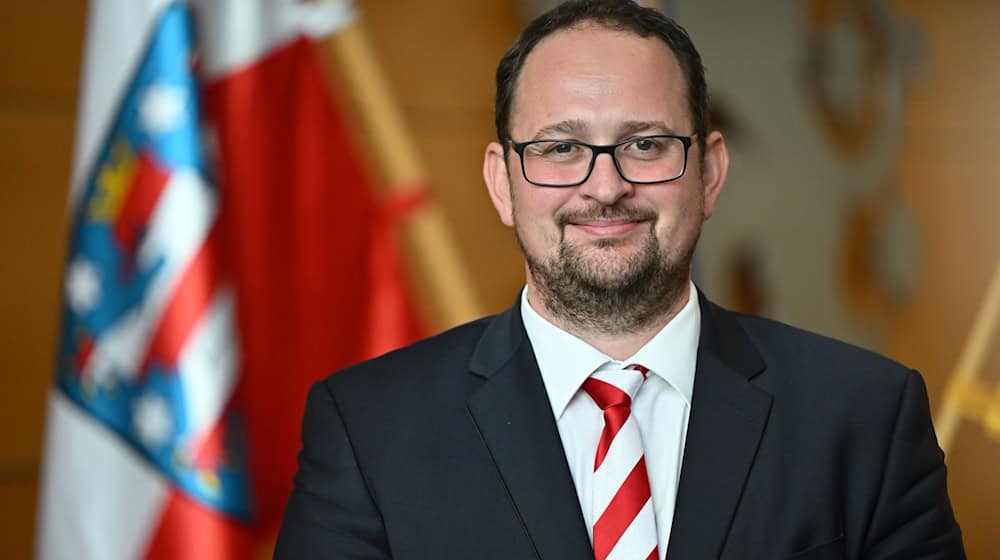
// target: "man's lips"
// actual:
[[607, 228]]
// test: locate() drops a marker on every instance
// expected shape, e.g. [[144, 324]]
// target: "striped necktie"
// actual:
[[625, 525]]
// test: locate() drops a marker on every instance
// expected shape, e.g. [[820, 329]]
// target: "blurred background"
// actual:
[[861, 203]]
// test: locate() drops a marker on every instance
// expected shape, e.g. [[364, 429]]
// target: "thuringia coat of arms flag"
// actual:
[[224, 241]]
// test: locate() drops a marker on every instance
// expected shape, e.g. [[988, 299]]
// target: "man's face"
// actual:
[[607, 243]]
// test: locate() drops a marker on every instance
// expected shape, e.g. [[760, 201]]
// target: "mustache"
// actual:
[[601, 212]]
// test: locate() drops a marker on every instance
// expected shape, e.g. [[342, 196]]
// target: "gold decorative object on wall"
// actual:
[[861, 56], [967, 397], [846, 94]]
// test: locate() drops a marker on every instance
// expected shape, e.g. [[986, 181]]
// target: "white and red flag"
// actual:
[[225, 249]]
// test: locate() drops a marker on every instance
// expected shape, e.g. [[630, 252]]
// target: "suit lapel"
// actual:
[[728, 417], [512, 412]]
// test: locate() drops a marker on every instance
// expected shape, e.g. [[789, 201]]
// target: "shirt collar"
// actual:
[[566, 361]]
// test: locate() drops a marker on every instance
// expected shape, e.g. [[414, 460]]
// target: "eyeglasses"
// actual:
[[641, 160]]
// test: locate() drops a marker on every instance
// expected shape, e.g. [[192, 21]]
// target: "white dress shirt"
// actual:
[[662, 406]]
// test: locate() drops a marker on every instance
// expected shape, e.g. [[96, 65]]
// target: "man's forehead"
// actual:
[[576, 42], [599, 72]]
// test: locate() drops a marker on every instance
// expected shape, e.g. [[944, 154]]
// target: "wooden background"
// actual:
[[439, 57]]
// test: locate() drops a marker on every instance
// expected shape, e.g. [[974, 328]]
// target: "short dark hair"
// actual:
[[619, 15]]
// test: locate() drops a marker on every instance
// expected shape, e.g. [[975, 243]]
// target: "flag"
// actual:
[[226, 251]]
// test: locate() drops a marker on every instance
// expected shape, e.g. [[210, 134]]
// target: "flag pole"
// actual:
[[962, 382], [430, 242]]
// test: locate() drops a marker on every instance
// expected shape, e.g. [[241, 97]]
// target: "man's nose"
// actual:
[[605, 185]]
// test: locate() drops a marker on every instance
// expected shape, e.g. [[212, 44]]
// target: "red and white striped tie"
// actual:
[[625, 525]]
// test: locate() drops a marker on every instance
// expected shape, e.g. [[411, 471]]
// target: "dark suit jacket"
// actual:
[[798, 447]]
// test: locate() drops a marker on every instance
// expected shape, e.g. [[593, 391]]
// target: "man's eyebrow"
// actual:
[[577, 127], [569, 126], [633, 127]]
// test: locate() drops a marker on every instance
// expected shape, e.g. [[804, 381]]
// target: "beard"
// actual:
[[601, 292]]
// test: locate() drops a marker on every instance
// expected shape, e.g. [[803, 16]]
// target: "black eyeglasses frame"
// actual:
[[598, 149]]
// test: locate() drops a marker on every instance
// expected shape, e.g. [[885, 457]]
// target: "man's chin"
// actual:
[[608, 261], [610, 276]]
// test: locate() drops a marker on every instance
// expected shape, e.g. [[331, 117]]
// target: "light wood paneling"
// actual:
[[18, 487], [40, 48], [950, 173], [39, 60], [440, 58], [34, 158]]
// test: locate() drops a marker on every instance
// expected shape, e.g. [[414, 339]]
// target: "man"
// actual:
[[613, 411]]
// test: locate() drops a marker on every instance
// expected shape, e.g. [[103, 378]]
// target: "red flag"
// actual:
[[317, 274]]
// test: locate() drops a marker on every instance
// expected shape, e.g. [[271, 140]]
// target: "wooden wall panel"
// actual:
[[40, 52], [17, 514], [40, 48], [440, 58], [951, 173]]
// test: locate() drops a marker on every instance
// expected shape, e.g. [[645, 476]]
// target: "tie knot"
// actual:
[[615, 388]]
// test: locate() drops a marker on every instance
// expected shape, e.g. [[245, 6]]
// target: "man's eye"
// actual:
[[645, 144], [561, 148]]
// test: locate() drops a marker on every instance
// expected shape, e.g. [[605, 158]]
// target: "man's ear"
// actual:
[[498, 182], [714, 169]]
